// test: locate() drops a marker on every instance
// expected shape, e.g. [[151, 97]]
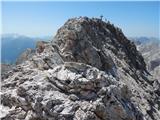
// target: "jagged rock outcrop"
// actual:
[[27, 54], [90, 71], [5, 68]]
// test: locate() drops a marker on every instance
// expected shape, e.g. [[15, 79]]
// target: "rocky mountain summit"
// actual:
[[90, 71]]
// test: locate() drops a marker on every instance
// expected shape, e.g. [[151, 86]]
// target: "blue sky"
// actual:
[[44, 18]]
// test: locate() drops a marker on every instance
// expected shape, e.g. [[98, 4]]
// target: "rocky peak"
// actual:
[[90, 71], [86, 40]]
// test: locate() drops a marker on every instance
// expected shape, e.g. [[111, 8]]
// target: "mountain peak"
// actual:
[[94, 36], [89, 71]]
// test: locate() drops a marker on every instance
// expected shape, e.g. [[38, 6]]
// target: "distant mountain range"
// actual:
[[150, 50], [14, 44], [144, 40]]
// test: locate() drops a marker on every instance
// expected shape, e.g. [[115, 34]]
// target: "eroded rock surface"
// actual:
[[90, 71]]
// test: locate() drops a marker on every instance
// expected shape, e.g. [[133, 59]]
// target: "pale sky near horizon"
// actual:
[[44, 18]]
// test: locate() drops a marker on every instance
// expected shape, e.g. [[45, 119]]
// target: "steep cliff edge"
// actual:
[[90, 71]]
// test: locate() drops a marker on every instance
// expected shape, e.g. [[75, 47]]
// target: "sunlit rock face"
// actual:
[[93, 42], [90, 71]]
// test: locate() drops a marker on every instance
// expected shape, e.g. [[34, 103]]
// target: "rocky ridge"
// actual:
[[90, 71]]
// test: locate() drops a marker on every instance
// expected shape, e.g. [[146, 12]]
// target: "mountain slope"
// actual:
[[90, 71]]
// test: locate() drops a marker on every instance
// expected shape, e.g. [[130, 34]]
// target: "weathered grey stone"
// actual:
[[73, 97]]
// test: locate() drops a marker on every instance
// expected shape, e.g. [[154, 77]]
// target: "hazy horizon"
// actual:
[[50, 36]]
